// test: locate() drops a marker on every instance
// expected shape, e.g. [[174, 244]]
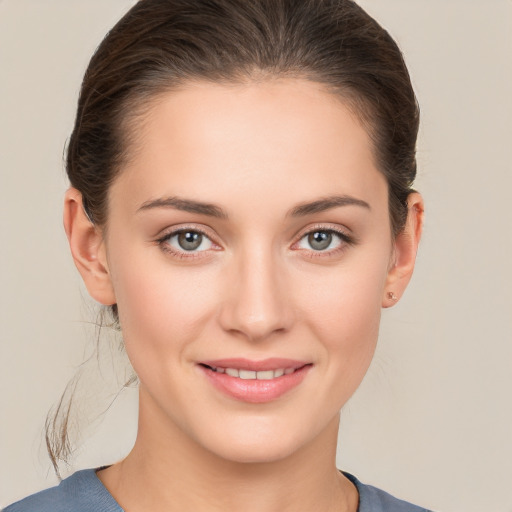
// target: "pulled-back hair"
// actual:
[[160, 45]]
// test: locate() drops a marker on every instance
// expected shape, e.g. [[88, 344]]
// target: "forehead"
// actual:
[[287, 135]]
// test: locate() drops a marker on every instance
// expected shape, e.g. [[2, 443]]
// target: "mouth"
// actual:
[[255, 381], [240, 373]]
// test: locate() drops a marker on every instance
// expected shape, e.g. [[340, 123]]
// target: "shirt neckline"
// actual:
[[91, 475]]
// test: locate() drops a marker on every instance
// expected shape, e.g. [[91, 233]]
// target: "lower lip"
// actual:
[[253, 390]]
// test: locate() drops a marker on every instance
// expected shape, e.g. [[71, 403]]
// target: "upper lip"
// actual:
[[273, 363]]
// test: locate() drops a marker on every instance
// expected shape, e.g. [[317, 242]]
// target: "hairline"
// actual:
[[139, 104]]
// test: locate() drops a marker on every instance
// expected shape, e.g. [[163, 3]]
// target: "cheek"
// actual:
[[348, 295], [344, 312], [162, 309]]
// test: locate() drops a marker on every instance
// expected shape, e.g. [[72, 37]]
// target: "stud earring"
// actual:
[[392, 296]]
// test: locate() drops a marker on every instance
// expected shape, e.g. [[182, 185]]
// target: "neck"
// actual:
[[176, 473]]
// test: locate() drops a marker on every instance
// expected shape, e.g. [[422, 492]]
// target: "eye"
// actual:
[[323, 240], [186, 241]]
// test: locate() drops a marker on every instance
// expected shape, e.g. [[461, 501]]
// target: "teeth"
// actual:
[[251, 375], [246, 374], [267, 375]]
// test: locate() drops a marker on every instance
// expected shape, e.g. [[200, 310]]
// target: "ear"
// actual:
[[404, 254], [87, 248]]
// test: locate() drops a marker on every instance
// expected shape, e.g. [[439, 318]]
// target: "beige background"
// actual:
[[432, 421]]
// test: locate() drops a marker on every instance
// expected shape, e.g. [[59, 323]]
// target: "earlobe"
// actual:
[[87, 248], [405, 249]]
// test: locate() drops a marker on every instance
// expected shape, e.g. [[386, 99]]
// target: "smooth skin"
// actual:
[[258, 285]]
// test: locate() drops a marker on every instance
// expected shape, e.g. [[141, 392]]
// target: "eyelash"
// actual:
[[163, 242], [345, 240]]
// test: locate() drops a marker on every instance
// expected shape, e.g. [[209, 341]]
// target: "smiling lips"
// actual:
[[255, 381]]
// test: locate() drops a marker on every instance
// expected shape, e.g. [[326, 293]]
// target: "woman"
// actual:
[[241, 199]]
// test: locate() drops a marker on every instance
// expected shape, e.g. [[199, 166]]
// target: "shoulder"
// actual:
[[81, 492], [372, 499]]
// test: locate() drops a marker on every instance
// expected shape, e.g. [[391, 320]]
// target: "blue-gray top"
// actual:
[[84, 492]]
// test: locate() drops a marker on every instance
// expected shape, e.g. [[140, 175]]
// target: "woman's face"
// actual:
[[248, 237]]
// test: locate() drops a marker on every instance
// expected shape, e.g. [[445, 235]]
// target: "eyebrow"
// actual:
[[212, 210], [327, 203], [186, 205]]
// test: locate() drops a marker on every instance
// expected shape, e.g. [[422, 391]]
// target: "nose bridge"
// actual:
[[258, 304]]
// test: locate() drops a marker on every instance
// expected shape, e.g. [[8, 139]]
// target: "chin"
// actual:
[[262, 441], [256, 451]]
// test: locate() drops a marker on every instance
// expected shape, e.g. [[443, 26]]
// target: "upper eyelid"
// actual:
[[323, 227], [175, 230]]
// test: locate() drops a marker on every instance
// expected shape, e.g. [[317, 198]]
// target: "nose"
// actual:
[[256, 304]]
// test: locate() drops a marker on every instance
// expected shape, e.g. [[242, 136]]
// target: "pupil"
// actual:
[[320, 240], [189, 240]]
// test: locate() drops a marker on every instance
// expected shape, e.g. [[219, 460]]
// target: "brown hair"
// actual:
[[162, 44]]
